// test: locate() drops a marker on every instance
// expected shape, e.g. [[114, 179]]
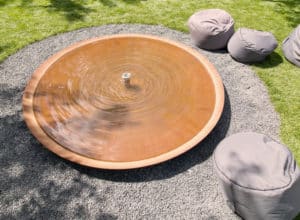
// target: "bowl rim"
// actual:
[[52, 145]]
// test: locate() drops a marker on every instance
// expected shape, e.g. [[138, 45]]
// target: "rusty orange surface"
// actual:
[[77, 105]]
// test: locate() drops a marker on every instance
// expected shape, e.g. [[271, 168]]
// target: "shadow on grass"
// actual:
[[133, 1], [111, 3], [21, 2], [108, 3], [5, 2], [290, 9], [274, 59], [72, 10], [3, 48]]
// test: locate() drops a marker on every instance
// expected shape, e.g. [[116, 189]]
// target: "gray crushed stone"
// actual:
[[36, 184]]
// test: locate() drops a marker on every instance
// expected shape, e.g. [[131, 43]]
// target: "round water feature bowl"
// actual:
[[123, 101]]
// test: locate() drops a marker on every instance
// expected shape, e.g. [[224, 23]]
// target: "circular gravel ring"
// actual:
[[38, 184]]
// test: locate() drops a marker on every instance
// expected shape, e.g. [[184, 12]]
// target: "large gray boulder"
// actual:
[[249, 46], [259, 177], [291, 47], [211, 29]]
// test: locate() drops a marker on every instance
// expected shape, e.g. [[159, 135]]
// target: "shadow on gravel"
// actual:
[[46, 185], [40, 181], [220, 51], [36, 180]]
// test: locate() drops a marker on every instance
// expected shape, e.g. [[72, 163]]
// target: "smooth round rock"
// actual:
[[291, 47], [259, 176], [249, 46], [211, 29]]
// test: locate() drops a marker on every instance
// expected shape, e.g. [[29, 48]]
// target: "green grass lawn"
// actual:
[[25, 21]]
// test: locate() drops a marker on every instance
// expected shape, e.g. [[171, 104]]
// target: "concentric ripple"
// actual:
[[82, 103]]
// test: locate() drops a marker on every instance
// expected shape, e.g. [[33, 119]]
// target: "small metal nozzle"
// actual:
[[126, 78]]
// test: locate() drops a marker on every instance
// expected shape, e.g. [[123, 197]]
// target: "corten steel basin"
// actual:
[[123, 101]]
